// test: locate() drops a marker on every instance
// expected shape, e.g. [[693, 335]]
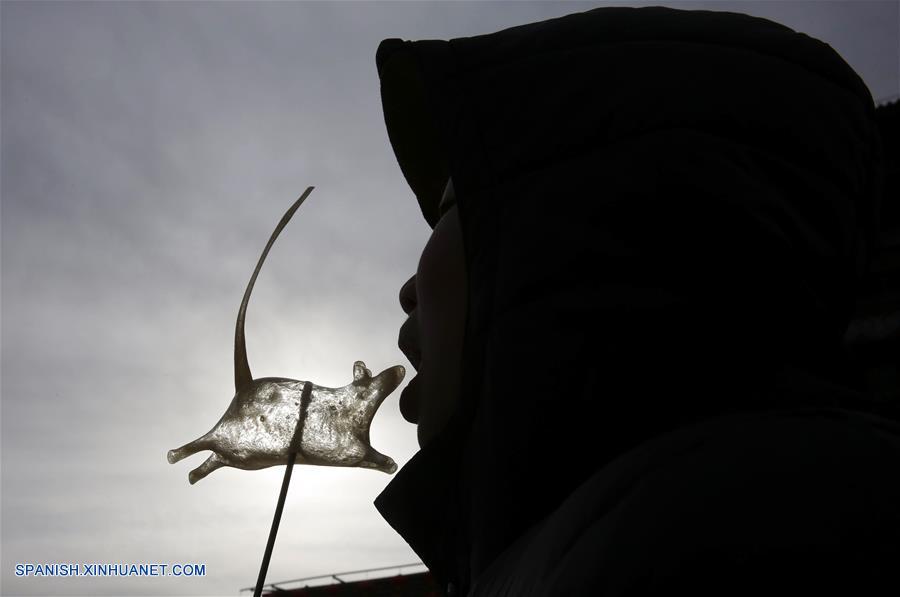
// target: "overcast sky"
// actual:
[[148, 149]]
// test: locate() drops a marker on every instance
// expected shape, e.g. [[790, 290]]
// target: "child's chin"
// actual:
[[409, 401]]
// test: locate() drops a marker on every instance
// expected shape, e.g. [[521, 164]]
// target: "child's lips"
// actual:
[[409, 401], [408, 341]]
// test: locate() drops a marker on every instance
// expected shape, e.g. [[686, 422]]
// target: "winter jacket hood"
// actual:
[[665, 214]]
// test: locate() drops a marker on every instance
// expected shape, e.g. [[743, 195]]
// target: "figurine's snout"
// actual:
[[378, 387], [391, 378]]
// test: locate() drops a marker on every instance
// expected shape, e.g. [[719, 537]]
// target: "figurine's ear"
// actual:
[[360, 371]]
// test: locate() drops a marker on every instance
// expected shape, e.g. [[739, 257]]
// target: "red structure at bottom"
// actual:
[[388, 581], [404, 585]]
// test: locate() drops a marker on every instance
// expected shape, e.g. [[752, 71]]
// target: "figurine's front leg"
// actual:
[[378, 461]]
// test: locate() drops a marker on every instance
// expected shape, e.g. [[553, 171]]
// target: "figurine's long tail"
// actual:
[[242, 375]]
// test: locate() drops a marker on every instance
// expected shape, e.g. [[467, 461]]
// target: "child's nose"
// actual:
[[408, 295]]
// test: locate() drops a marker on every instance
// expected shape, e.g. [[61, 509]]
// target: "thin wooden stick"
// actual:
[[296, 444]]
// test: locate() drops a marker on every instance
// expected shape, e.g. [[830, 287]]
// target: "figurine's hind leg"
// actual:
[[208, 466], [198, 445], [378, 461]]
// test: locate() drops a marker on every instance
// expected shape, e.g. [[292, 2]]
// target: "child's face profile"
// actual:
[[432, 336]]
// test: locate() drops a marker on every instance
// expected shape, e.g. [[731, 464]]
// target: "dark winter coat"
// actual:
[[665, 216]]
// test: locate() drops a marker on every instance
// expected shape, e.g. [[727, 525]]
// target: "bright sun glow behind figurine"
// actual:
[[266, 415]]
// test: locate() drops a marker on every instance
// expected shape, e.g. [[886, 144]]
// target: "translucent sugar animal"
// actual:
[[258, 428]]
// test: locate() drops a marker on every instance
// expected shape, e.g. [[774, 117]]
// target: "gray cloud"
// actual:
[[147, 151]]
